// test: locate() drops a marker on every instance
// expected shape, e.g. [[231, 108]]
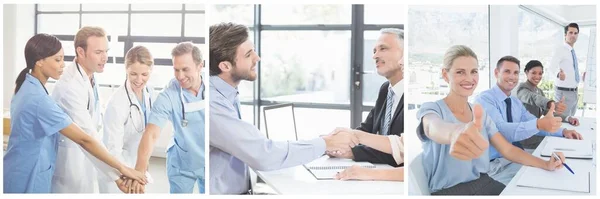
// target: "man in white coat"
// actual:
[[77, 94]]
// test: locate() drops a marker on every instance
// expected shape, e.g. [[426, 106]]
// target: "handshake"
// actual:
[[339, 142]]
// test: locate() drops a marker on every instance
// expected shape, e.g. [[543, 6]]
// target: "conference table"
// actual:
[[587, 129], [299, 181]]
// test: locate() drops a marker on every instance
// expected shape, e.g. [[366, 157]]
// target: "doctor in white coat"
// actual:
[[127, 113], [77, 94]]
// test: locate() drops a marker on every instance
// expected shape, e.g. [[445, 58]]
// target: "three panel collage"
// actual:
[[295, 99]]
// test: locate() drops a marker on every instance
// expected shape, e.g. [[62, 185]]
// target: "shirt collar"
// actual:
[[35, 82], [498, 94], [223, 87], [398, 88], [568, 46]]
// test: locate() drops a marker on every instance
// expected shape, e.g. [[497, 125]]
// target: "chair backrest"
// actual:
[[280, 122], [417, 180]]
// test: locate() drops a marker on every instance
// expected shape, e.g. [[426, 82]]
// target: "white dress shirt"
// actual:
[[563, 59]]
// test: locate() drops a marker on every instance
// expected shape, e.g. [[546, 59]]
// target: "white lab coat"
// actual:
[[76, 168], [121, 130]]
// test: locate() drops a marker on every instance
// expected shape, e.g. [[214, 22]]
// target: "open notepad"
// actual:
[[325, 168], [561, 180], [578, 149]]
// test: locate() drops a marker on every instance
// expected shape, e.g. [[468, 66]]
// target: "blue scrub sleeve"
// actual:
[[51, 117], [161, 109]]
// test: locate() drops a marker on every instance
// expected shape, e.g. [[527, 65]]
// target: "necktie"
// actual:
[[388, 111], [509, 118], [236, 103], [575, 65]]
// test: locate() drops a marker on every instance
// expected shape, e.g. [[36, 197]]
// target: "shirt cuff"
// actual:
[[397, 148], [319, 146]]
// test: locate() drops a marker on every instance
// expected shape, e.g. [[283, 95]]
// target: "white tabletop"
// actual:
[[298, 180], [587, 129]]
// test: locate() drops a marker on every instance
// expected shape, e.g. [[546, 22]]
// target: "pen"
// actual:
[[564, 149], [558, 159]]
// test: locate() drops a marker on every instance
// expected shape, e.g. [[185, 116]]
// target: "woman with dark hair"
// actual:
[[36, 119], [534, 100]]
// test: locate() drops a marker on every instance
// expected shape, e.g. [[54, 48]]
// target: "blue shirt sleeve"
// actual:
[[426, 108], [161, 109], [514, 131], [52, 118], [244, 141]]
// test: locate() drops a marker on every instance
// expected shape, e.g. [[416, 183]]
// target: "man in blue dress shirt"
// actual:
[[513, 121], [235, 144]]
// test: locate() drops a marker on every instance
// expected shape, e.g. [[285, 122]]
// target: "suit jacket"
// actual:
[[373, 125]]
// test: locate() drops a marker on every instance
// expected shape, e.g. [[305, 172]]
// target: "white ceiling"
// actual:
[[565, 14]]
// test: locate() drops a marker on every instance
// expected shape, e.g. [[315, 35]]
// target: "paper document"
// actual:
[[580, 149], [561, 179], [326, 167]]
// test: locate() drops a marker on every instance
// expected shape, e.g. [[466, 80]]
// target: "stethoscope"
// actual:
[[184, 122], [88, 104], [135, 106]]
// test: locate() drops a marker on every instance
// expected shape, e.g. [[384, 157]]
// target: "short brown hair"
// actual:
[[86, 32], [185, 48], [508, 58], [225, 38], [138, 54]]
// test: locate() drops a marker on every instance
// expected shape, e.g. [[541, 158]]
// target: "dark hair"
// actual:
[[508, 58], [38, 47], [225, 38], [533, 63], [572, 25]]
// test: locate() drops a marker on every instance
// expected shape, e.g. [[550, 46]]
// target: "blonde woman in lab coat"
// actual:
[[127, 112]]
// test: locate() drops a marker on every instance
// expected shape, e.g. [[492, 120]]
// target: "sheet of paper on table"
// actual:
[[561, 179]]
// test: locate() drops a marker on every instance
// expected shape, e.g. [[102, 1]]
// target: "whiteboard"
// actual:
[[589, 84]]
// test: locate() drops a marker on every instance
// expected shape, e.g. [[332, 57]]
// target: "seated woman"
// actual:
[[392, 144], [456, 135], [535, 102]]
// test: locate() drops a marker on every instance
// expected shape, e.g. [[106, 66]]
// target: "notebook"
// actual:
[[577, 149], [325, 167], [561, 179]]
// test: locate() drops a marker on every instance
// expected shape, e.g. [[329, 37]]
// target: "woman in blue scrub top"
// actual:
[[35, 121], [456, 135]]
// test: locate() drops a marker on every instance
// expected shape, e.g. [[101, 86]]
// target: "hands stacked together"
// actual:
[[131, 181]]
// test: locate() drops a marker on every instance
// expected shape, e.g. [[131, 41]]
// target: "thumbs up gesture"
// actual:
[[561, 106], [469, 143], [549, 123], [561, 75]]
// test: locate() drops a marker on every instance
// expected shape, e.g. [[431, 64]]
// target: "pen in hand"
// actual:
[[558, 159]]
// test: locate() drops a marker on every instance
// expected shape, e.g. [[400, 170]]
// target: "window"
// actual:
[[306, 59], [159, 27], [434, 29]]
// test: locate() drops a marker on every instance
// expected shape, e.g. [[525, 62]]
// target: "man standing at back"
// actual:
[[565, 68]]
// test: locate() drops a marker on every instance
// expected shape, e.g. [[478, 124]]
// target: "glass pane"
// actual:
[[105, 7], [113, 24], [58, 7], [156, 24], [156, 6], [306, 14], [434, 29], [68, 48], [114, 74], [384, 14], [194, 6], [163, 50], [116, 49], [309, 127], [247, 113], [306, 73], [371, 80], [242, 14], [161, 75], [58, 24], [195, 25]]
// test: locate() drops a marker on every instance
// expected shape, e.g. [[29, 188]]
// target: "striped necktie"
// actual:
[[388, 111]]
